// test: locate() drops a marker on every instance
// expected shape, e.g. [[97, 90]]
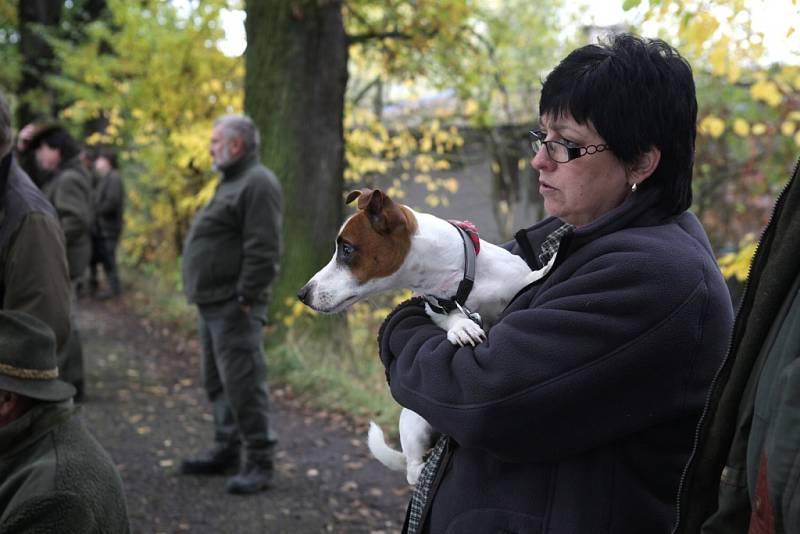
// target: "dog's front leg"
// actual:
[[461, 330]]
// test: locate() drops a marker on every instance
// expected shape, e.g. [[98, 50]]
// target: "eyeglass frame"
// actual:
[[573, 152]]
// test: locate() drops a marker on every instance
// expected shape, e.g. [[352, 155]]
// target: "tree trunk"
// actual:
[[38, 60], [296, 74]]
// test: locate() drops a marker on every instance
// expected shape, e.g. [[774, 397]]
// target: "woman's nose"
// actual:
[[542, 161]]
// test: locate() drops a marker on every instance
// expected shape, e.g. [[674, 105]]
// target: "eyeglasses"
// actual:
[[559, 151]]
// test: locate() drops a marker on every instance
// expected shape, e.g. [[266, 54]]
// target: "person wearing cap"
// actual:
[[70, 193], [54, 475], [33, 262]]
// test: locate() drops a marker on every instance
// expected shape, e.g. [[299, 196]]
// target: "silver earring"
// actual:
[[633, 187]]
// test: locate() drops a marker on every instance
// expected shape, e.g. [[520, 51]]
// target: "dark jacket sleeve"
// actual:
[[260, 208], [36, 274], [56, 512], [600, 353]]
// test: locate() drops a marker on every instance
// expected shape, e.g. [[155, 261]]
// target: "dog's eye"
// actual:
[[347, 250]]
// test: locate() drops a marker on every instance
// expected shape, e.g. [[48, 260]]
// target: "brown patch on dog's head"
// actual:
[[379, 234]]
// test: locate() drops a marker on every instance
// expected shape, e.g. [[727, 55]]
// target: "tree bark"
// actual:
[[296, 75], [38, 60]]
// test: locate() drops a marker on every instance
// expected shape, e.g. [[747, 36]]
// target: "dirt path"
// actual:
[[145, 405]]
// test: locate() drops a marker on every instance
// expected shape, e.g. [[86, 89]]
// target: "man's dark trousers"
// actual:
[[234, 375]]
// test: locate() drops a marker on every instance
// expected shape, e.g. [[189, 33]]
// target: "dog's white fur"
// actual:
[[434, 266]]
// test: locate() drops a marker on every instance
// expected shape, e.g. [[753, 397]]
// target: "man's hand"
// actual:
[[244, 304], [24, 136]]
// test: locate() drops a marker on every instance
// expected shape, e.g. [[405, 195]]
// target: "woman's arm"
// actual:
[[592, 355]]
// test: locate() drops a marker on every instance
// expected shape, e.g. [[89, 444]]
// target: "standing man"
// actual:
[[230, 259], [69, 191], [109, 205], [33, 264], [54, 476]]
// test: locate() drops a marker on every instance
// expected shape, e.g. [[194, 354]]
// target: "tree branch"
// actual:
[[369, 36]]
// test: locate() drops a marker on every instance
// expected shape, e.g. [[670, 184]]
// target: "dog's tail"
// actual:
[[394, 460]]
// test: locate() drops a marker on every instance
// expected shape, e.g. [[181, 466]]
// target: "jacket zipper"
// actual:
[[701, 423]]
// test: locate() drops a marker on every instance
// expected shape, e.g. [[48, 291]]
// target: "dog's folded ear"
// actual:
[[352, 195], [384, 215]]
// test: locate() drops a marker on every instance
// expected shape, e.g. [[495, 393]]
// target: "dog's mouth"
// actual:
[[340, 306]]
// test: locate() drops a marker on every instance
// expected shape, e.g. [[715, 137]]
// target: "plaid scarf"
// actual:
[[552, 242], [419, 498]]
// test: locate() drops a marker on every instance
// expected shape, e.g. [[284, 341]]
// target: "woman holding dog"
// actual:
[[577, 414]]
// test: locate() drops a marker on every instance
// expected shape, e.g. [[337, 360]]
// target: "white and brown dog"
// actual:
[[388, 246]]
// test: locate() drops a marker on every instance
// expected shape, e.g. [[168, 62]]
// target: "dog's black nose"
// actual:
[[304, 292]]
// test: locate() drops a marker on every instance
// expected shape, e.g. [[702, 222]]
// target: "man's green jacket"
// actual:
[[54, 476], [233, 247]]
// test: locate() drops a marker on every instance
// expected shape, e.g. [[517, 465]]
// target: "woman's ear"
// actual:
[[644, 167]]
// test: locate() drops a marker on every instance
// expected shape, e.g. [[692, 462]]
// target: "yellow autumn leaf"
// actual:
[[797, 139], [441, 165], [432, 200], [719, 57], [737, 264], [734, 72], [759, 128], [766, 91], [451, 185], [788, 128], [741, 127], [471, 106], [700, 29], [712, 125]]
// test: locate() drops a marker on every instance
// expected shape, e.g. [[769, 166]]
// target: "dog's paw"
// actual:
[[413, 472], [463, 331]]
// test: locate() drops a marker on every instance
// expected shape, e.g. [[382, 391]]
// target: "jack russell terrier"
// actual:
[[388, 246]]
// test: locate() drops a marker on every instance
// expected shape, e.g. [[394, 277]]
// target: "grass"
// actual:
[[341, 375]]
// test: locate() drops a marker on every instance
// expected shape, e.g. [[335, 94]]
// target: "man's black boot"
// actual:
[[217, 461], [255, 476]]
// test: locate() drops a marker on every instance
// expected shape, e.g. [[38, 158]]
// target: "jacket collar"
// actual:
[[33, 424], [639, 209], [74, 164], [239, 166]]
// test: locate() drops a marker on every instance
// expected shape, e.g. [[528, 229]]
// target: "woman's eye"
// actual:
[[568, 142]]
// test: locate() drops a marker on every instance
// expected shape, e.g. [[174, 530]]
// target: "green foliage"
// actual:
[[487, 62], [748, 116], [154, 76], [347, 379], [9, 49]]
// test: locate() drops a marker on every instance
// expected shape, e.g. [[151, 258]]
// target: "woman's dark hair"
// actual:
[[108, 153], [638, 94], [58, 137]]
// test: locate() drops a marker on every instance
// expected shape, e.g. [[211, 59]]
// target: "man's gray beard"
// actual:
[[224, 160]]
